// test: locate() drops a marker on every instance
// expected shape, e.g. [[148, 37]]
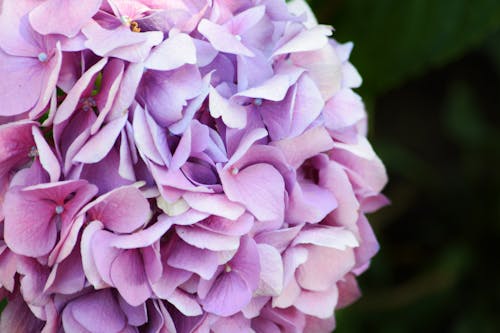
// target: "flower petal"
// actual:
[[222, 40], [94, 312], [260, 188], [175, 51], [128, 276], [122, 210], [65, 17]]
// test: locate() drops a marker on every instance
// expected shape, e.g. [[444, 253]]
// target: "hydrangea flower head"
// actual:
[[180, 166]]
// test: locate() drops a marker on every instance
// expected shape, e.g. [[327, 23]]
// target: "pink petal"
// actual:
[[49, 81], [271, 271], [172, 53], [301, 7], [126, 92], [143, 137], [314, 324], [20, 40], [153, 266], [222, 40], [262, 325], [192, 259], [315, 274], [324, 67], [126, 169], [177, 86], [17, 317], [308, 105], [65, 17], [33, 280], [279, 239], [260, 188], [46, 155], [290, 319], [368, 248], [205, 239], [21, 84], [67, 277], [100, 144], [350, 76], [67, 241], [185, 303], [21, 234], [94, 312], [70, 102], [233, 114], [88, 262], [246, 19], [205, 53], [170, 280], [8, 267], [144, 237], [16, 142], [349, 291], [345, 109], [236, 323], [121, 42], [362, 163], [105, 174], [110, 88], [307, 40], [134, 211], [248, 139], [246, 262], [292, 258], [128, 276], [216, 204], [103, 254], [307, 145], [334, 178], [276, 87], [136, 315], [228, 295], [332, 237], [318, 304], [182, 151], [309, 203], [221, 225]]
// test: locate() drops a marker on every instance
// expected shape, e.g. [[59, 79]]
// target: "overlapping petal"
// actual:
[[180, 166]]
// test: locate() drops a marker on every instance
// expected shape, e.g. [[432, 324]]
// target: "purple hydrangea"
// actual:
[[180, 166]]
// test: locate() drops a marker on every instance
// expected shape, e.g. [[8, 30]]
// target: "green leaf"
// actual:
[[396, 40], [3, 304]]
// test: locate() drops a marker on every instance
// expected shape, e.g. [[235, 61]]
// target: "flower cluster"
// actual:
[[179, 166]]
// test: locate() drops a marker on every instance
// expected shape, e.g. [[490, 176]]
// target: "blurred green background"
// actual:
[[431, 72]]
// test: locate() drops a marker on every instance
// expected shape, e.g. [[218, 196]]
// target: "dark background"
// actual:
[[431, 72]]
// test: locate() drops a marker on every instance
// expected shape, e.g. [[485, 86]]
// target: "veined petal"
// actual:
[[175, 51], [222, 40], [65, 17]]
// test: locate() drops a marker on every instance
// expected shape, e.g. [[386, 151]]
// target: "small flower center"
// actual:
[[88, 103], [134, 26], [59, 209], [42, 57], [228, 269], [33, 152], [238, 37], [257, 102], [234, 171]]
